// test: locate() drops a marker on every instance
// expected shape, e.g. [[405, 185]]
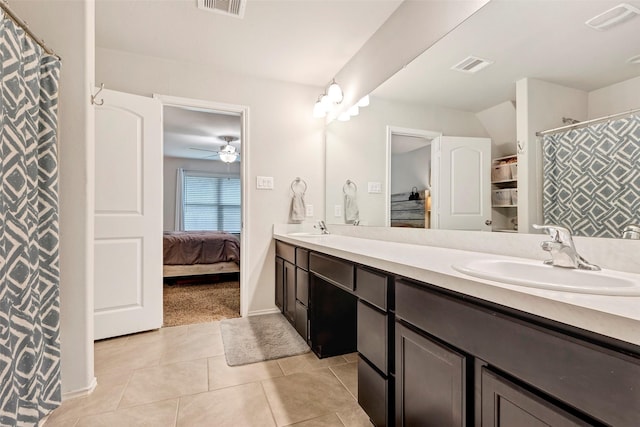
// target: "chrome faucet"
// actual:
[[323, 227], [563, 251], [631, 231]]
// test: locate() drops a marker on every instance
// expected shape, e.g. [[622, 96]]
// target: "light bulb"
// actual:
[[335, 93], [318, 110], [354, 111], [364, 101], [344, 117], [326, 103]]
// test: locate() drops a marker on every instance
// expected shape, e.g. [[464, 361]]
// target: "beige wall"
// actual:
[[284, 141]]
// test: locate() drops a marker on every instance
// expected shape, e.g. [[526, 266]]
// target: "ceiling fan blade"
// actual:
[[203, 149]]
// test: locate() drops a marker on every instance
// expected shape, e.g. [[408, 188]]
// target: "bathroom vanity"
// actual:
[[438, 348]]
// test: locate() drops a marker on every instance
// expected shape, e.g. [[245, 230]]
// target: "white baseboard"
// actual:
[[267, 311], [81, 392]]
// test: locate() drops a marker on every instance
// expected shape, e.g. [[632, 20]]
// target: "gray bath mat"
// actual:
[[258, 338]]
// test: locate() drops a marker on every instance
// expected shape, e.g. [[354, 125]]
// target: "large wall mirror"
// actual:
[[512, 69]]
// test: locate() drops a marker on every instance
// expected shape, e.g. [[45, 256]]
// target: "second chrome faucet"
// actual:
[[562, 249]]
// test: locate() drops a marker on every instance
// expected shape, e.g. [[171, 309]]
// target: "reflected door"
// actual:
[[461, 183], [128, 215]]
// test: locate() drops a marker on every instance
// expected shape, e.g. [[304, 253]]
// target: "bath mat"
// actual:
[[259, 338]]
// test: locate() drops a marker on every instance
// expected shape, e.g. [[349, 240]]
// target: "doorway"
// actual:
[[205, 152], [409, 160]]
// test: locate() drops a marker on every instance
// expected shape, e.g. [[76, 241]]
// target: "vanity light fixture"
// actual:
[[319, 109], [335, 92], [364, 101], [354, 111], [344, 117], [612, 17]]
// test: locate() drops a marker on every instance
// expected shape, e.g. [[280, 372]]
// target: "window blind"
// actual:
[[211, 202]]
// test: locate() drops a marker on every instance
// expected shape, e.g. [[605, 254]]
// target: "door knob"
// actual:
[[488, 222]]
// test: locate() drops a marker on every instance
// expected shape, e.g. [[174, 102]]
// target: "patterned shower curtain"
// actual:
[[29, 273], [591, 178]]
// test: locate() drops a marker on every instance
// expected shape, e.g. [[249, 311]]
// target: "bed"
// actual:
[[189, 253]]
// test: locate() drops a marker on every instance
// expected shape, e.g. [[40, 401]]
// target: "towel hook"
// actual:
[[348, 184], [94, 96], [296, 182]]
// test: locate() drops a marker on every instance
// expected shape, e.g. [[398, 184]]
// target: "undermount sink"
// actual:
[[539, 275], [305, 234]]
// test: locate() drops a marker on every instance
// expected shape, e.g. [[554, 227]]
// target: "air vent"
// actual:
[[226, 7], [612, 17], [471, 64]]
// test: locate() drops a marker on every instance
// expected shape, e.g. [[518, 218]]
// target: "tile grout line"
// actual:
[[264, 392]]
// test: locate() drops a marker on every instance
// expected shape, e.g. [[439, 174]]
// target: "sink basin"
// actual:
[[539, 275], [305, 234]]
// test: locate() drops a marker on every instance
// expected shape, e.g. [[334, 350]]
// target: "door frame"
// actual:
[[397, 130], [243, 110]]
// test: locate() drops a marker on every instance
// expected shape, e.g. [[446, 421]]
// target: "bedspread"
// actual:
[[200, 247]]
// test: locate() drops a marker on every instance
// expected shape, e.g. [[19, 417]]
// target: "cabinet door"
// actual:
[[280, 283], [507, 404], [290, 291], [430, 382]]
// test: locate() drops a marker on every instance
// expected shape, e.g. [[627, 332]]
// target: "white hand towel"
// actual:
[[298, 209], [351, 212]]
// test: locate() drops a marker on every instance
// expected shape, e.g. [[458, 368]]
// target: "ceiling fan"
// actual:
[[227, 153]]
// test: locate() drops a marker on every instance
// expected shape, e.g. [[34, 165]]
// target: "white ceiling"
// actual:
[[401, 144], [302, 41], [546, 40], [194, 134]]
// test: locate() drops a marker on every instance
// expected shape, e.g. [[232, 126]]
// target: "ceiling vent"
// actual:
[[612, 17], [471, 64], [226, 7]]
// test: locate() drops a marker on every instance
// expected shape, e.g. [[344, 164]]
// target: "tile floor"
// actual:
[[179, 377]]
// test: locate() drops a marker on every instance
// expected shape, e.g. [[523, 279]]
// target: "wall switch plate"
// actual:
[[374, 187], [309, 210], [337, 211], [264, 183]]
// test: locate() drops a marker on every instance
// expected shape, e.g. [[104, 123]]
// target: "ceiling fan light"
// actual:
[[364, 101], [335, 92]]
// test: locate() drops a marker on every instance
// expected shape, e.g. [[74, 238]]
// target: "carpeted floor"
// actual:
[[200, 301]]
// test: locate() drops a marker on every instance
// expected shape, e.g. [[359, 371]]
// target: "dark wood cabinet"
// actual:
[[506, 404], [431, 382], [290, 292], [280, 283], [434, 357]]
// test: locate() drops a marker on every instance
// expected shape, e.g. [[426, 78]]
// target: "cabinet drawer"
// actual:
[[301, 321], [373, 394], [302, 258], [583, 374], [302, 286], [372, 287], [333, 270], [286, 251], [372, 336]]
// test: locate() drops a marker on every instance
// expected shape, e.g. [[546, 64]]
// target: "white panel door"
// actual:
[[461, 179], [128, 215]]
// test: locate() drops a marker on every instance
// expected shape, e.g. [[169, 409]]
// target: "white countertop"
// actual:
[[613, 316]]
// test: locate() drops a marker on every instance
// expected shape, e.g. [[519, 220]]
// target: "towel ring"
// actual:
[[348, 184], [298, 182]]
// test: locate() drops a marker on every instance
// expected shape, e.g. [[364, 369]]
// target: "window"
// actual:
[[211, 202]]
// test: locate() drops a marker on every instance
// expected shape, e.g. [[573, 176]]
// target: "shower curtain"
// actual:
[[29, 273], [591, 178]]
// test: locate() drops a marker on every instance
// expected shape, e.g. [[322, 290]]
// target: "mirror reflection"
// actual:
[[511, 70]]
